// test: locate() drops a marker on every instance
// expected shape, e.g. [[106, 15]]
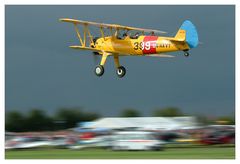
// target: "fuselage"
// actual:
[[142, 45]]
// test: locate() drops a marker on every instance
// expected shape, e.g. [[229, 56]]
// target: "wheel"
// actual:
[[186, 54], [99, 70], [121, 71]]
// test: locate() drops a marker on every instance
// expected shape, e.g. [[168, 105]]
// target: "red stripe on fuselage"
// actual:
[[149, 44]]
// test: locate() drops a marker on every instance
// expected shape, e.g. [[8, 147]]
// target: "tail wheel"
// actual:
[[99, 70], [186, 54], [121, 71]]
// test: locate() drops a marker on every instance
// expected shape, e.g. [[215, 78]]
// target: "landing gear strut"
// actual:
[[120, 70], [99, 70]]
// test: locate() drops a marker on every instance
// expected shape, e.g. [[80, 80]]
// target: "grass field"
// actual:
[[204, 152]]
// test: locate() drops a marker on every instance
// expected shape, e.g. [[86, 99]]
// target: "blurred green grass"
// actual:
[[204, 152]]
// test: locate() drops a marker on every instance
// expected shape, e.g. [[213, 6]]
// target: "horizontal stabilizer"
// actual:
[[160, 55]]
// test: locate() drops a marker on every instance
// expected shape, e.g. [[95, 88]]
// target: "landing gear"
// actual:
[[99, 70], [121, 71], [186, 54]]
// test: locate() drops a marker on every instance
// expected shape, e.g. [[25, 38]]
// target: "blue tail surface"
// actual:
[[191, 33]]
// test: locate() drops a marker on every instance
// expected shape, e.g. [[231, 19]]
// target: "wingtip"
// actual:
[[61, 19], [74, 47]]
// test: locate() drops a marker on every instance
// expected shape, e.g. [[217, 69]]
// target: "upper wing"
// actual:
[[108, 25]]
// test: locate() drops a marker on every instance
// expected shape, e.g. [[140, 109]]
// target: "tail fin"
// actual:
[[188, 33], [181, 35]]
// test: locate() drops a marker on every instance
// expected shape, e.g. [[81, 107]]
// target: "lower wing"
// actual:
[[93, 49], [119, 53]]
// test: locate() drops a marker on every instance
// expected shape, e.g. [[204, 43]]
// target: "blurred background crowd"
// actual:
[[76, 129]]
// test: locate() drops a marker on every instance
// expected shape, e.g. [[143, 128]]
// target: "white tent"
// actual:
[[167, 123]]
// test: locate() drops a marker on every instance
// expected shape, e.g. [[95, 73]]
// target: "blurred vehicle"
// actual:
[[9, 135], [26, 142], [168, 136], [59, 141], [136, 140], [104, 141], [219, 137]]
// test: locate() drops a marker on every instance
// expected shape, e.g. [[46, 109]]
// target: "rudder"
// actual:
[[191, 33]]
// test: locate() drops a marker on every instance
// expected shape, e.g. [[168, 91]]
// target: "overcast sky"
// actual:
[[42, 72]]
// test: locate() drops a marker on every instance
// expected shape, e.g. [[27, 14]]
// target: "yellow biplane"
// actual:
[[121, 41]]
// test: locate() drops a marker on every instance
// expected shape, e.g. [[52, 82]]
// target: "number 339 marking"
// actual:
[[142, 45]]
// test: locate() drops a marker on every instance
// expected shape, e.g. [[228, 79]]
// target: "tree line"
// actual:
[[38, 120], [65, 118]]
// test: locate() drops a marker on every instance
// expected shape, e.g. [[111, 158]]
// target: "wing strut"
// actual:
[[86, 33], [102, 32], [78, 34]]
